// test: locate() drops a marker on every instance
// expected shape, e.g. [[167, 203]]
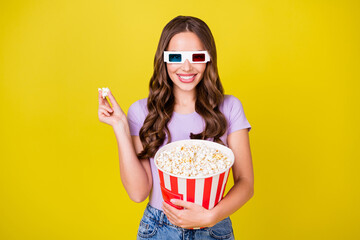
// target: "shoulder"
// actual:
[[231, 99], [234, 113], [139, 105], [230, 103], [138, 109]]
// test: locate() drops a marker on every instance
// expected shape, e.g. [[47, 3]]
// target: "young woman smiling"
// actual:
[[186, 101]]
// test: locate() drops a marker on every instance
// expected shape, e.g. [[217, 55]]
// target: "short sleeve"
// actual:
[[135, 117], [237, 119]]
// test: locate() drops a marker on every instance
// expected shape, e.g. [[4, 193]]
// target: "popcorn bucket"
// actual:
[[205, 191]]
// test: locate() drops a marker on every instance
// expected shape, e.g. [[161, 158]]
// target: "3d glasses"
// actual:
[[192, 56]]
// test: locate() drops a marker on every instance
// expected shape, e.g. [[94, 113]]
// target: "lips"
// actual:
[[186, 78]]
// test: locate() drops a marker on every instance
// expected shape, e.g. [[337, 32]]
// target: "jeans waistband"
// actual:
[[158, 216]]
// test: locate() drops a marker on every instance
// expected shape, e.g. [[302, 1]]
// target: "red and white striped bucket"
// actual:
[[205, 191]]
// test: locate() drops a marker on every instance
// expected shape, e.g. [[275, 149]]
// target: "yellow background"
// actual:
[[293, 64]]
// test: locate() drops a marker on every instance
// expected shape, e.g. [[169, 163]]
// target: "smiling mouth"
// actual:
[[187, 78]]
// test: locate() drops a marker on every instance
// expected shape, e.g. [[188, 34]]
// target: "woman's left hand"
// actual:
[[192, 216]]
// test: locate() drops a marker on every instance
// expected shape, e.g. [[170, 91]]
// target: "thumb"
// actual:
[[182, 203]]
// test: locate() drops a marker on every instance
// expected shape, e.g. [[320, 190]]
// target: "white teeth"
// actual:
[[187, 77]]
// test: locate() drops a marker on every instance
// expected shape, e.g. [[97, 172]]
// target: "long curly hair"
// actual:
[[161, 100]]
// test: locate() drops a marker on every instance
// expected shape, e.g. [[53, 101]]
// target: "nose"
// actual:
[[186, 66]]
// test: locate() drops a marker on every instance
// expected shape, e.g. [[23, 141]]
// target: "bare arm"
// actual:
[[243, 174], [135, 173]]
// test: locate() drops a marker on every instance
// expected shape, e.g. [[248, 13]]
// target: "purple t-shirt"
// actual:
[[180, 127]]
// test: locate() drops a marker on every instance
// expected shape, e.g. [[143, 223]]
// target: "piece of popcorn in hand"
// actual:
[[104, 92]]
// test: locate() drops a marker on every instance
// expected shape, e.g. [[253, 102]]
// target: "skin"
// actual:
[[136, 173], [185, 94]]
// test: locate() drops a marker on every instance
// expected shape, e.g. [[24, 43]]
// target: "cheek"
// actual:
[[171, 69], [201, 69]]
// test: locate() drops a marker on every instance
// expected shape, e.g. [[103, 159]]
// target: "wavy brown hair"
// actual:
[[161, 100]]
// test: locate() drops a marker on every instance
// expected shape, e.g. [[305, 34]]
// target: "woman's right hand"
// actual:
[[110, 115]]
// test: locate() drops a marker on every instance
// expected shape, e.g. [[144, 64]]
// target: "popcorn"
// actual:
[[195, 160], [104, 91]]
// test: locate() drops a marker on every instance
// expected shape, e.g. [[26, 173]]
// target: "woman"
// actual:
[[186, 101]]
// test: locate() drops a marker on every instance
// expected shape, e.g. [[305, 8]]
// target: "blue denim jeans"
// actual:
[[155, 225]]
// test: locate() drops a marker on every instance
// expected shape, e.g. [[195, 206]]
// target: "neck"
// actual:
[[185, 98]]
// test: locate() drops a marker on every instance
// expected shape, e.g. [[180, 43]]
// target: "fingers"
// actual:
[[182, 203], [171, 220], [103, 101], [168, 210], [112, 99], [104, 112], [172, 208], [106, 108], [107, 103]]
